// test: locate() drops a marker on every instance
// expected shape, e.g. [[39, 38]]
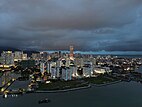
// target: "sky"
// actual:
[[110, 25]]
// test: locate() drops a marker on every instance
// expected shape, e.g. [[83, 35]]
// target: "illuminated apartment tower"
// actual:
[[71, 52], [42, 65], [18, 56], [7, 58]]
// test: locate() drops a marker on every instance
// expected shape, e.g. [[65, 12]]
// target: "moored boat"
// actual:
[[46, 100]]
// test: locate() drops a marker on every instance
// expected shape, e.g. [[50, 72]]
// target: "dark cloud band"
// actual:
[[86, 24]]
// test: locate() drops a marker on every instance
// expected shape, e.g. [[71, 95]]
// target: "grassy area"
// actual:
[[100, 80], [60, 85]]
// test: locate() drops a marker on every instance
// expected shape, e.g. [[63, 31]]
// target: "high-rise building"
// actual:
[[79, 62], [42, 67], [58, 63], [65, 75], [44, 55], [69, 73], [18, 55], [53, 72], [36, 56], [25, 57], [71, 52], [74, 71], [67, 64], [57, 72], [7, 58], [63, 62], [87, 69], [49, 67]]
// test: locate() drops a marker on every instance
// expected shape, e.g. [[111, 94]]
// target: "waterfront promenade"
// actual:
[[79, 88]]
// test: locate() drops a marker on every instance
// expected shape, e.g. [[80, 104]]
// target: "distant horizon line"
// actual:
[[40, 50], [103, 52], [95, 52]]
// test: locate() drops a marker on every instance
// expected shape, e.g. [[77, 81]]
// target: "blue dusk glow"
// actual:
[[111, 25]]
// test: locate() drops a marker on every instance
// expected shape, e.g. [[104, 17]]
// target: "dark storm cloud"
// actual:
[[86, 24]]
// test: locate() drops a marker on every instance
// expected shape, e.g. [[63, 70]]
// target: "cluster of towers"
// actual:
[[58, 69], [69, 67]]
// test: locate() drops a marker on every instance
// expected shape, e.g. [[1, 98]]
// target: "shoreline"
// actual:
[[106, 84], [79, 88], [66, 90]]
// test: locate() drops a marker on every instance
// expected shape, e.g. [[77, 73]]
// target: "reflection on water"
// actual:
[[116, 95]]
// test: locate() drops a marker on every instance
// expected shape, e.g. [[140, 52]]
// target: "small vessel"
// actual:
[[5, 96], [46, 100]]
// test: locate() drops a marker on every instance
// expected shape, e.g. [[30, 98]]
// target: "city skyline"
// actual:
[[70, 52], [56, 24]]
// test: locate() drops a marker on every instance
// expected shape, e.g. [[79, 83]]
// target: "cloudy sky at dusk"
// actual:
[[111, 25]]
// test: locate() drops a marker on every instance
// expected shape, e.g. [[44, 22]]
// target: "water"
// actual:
[[116, 95]]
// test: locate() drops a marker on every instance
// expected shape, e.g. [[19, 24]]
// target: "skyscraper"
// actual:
[[36, 56], [53, 72], [7, 58], [66, 73], [43, 55], [87, 69], [42, 65], [18, 55], [25, 56], [71, 52]]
